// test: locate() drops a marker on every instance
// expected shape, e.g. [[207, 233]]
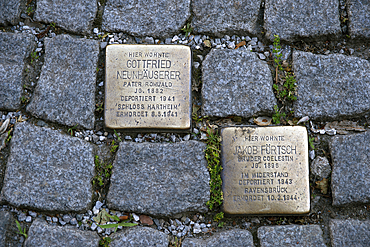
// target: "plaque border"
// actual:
[[155, 129], [307, 212]]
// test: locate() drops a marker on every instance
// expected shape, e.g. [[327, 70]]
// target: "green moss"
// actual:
[[285, 82], [212, 154], [102, 171], [219, 216], [277, 52], [310, 141], [105, 241], [187, 29], [277, 116]]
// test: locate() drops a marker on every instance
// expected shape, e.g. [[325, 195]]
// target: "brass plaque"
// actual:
[[265, 170], [148, 87]]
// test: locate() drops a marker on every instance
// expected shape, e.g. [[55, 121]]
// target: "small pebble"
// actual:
[[95, 210], [22, 217], [73, 221], [136, 218], [93, 226], [261, 56], [312, 154], [33, 214], [98, 204], [175, 38], [66, 218]]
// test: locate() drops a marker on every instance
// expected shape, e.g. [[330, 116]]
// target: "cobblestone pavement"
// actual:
[[63, 176]]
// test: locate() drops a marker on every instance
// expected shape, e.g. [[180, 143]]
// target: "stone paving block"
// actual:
[[218, 17], [349, 233], [291, 235], [14, 49], [10, 11], [320, 167], [65, 92], [230, 238], [139, 236], [350, 179], [236, 82], [146, 18], [297, 19], [41, 234], [6, 220], [359, 18], [159, 179], [331, 87], [76, 16], [48, 170]]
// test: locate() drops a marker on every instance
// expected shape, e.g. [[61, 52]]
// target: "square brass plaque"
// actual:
[[148, 87], [265, 170]]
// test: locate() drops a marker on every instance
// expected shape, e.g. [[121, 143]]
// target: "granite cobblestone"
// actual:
[[296, 20], [10, 11], [349, 233], [235, 237], [77, 16], [291, 235], [331, 87], [15, 48], [41, 234], [65, 92], [48, 171], [225, 17], [359, 19], [236, 83], [165, 179], [350, 153], [143, 18]]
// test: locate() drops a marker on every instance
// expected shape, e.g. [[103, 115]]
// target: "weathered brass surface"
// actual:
[[148, 87], [265, 170]]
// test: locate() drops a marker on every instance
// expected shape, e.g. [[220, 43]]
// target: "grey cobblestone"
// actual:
[[349, 233], [217, 17], [10, 11], [331, 87], [48, 171], [159, 179], [76, 16], [139, 236], [320, 167], [14, 49], [291, 235], [41, 234], [65, 92], [350, 179], [5, 226], [142, 18], [230, 238], [294, 20], [236, 82], [359, 18]]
